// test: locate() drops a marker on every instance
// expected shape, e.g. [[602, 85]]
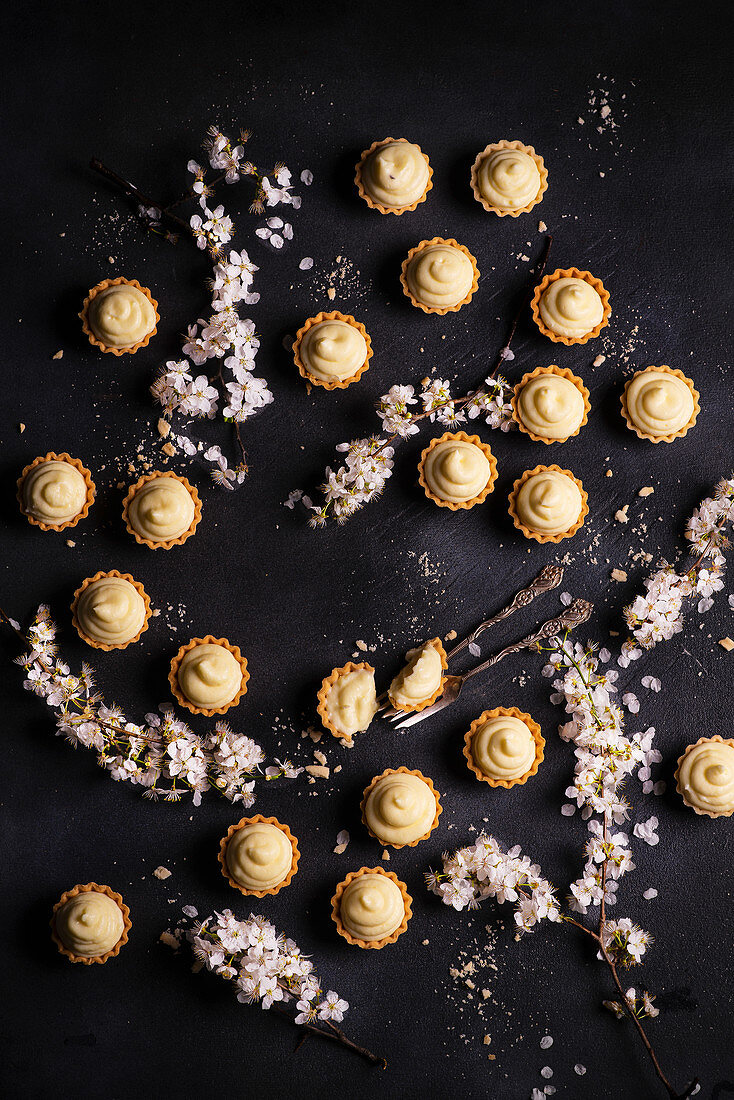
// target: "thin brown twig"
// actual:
[[335, 1035], [134, 192]]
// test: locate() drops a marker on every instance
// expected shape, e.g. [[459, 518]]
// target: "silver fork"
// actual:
[[547, 579], [575, 615]]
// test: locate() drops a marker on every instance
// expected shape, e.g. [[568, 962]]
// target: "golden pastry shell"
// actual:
[[681, 792], [84, 316], [323, 694], [335, 383], [168, 543], [90, 580], [429, 244], [336, 903], [504, 712], [364, 194], [570, 273], [86, 474], [673, 435], [438, 646], [463, 438], [91, 888], [562, 372], [537, 535], [176, 664], [256, 820], [401, 771], [496, 147]]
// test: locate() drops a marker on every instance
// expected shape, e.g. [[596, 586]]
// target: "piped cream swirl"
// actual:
[[440, 276], [400, 808], [706, 777], [420, 677], [456, 470], [503, 748], [111, 611], [395, 175], [371, 907], [508, 179], [121, 315], [333, 350], [571, 307], [352, 701], [54, 492], [659, 403], [89, 924], [550, 406], [161, 509], [259, 856], [209, 675], [549, 502]]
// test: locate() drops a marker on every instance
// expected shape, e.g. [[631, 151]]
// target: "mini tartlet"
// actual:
[[259, 856], [504, 747], [705, 776], [347, 696], [161, 510], [119, 316], [457, 470], [660, 404], [55, 491], [439, 276], [393, 176], [371, 908], [550, 404], [570, 306], [332, 350], [509, 178], [208, 676], [110, 610], [420, 681], [548, 504], [90, 923], [400, 807]]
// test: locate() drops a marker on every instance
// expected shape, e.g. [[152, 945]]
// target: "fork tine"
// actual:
[[414, 719]]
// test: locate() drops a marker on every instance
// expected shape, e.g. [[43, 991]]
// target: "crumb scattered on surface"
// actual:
[[727, 644], [70, 542], [164, 428], [621, 514], [542, 227], [21, 428], [450, 636], [170, 940], [162, 873], [59, 355], [168, 449], [609, 474], [646, 491], [618, 575], [386, 855], [599, 360]]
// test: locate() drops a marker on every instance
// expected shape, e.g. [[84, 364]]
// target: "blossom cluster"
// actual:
[[658, 614], [624, 941], [484, 870], [162, 755], [265, 966], [641, 1004]]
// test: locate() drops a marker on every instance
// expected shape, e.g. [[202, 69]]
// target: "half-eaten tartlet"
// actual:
[[550, 404], [705, 776], [110, 610], [504, 747], [393, 176], [161, 510], [548, 504], [509, 178], [401, 807], [439, 276], [332, 350], [420, 681], [119, 316], [90, 923], [208, 675], [347, 700], [55, 491], [571, 306], [259, 855], [371, 908], [457, 470], [660, 404]]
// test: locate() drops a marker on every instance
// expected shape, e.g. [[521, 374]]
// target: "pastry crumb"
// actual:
[[613, 633], [59, 355], [21, 428], [646, 491], [168, 449], [164, 428], [386, 855], [618, 575], [318, 771], [726, 643], [485, 994], [425, 943], [331, 293], [319, 757], [70, 542], [162, 873], [621, 514], [361, 645], [487, 1040], [542, 227], [110, 259], [338, 768], [450, 636], [169, 939], [599, 360], [609, 474]]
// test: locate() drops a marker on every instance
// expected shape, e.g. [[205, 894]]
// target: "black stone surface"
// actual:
[[644, 205]]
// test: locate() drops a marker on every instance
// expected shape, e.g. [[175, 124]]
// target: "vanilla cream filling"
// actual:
[[440, 276], [121, 315], [395, 175], [111, 611], [456, 471], [259, 856], [503, 748], [659, 403], [400, 808], [549, 405], [549, 502], [89, 924], [209, 675], [571, 307], [333, 350], [371, 907], [706, 777], [161, 509], [420, 678], [508, 179], [54, 492], [352, 701]]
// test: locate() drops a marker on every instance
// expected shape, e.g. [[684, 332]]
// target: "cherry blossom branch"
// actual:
[[134, 192], [336, 1035]]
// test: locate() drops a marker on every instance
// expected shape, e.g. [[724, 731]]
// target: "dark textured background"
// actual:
[[137, 85]]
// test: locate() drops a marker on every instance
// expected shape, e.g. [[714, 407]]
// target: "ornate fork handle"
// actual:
[[548, 578], [577, 613]]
